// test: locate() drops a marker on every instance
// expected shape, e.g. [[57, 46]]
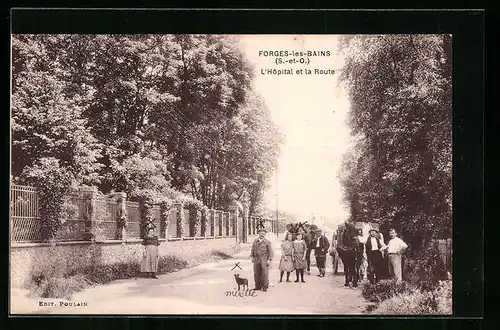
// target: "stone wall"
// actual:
[[63, 257]]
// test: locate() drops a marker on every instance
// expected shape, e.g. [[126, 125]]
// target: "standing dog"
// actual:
[[241, 281]]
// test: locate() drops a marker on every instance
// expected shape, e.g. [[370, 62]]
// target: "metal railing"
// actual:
[[26, 224]]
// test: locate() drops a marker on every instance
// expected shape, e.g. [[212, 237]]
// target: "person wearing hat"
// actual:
[[261, 255], [149, 263], [374, 246], [321, 246]]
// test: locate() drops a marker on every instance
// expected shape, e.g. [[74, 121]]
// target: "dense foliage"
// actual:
[[399, 171], [155, 116], [404, 298]]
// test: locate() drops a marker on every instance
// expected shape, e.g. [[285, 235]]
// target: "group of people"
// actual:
[[295, 256], [381, 257], [376, 260]]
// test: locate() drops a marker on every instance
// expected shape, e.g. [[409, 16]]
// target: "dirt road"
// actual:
[[203, 290]]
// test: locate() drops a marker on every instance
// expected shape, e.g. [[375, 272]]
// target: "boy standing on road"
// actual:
[[262, 255]]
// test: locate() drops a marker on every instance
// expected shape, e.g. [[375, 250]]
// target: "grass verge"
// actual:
[[403, 298], [49, 282]]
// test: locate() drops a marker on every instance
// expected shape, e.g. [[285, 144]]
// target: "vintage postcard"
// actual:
[[231, 174]]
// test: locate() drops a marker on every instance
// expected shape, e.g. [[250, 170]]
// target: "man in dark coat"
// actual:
[[262, 255], [321, 246], [374, 246]]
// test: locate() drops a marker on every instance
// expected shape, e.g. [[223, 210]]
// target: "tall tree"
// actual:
[[143, 114], [400, 93], [46, 122]]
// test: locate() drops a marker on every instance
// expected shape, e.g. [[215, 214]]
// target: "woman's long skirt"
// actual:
[[149, 262]]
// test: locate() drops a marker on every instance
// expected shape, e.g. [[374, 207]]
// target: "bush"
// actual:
[[385, 289], [168, 263], [221, 254], [425, 290], [443, 297], [49, 282], [419, 302], [425, 269], [408, 303], [57, 287], [106, 273], [54, 281], [52, 182]]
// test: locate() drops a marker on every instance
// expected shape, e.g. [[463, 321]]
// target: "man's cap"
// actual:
[[261, 229], [373, 229]]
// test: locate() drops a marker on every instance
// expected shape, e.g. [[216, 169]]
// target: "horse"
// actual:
[[348, 249], [308, 231]]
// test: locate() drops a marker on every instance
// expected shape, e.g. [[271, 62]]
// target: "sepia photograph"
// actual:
[[231, 174]]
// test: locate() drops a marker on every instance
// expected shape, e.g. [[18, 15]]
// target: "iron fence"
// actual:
[[134, 220], [26, 224], [25, 221]]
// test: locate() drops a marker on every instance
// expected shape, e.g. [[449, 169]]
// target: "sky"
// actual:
[[310, 110]]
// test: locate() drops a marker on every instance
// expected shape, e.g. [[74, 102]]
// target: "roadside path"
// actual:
[[202, 290]]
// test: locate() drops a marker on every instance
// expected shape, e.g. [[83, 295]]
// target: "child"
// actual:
[[286, 262], [299, 254]]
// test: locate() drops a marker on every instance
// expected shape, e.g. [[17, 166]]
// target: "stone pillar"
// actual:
[[192, 214], [245, 225], [228, 225], [121, 215], [222, 223], [164, 222], [180, 217], [204, 218], [198, 226], [233, 211], [89, 199], [216, 223], [225, 216], [212, 222]]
